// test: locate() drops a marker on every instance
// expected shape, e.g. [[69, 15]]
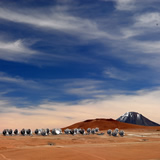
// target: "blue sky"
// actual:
[[67, 55]]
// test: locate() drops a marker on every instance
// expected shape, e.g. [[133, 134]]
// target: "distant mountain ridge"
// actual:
[[104, 124], [136, 118]]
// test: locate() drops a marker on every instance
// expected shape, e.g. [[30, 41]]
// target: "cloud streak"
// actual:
[[21, 51], [17, 81], [15, 51], [60, 18], [132, 5], [74, 88], [56, 19], [115, 73]]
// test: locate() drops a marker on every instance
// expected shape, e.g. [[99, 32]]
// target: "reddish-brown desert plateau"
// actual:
[[139, 143]]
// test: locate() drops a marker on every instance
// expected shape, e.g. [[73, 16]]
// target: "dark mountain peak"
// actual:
[[136, 118]]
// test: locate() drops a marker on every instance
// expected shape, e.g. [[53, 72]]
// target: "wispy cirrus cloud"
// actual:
[[118, 74], [142, 23], [5, 78], [60, 18], [73, 88], [16, 46], [148, 20], [125, 5], [21, 51], [57, 18], [140, 43], [151, 47], [132, 5], [85, 88], [50, 20], [17, 51]]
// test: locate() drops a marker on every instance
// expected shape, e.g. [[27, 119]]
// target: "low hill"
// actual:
[[104, 124]]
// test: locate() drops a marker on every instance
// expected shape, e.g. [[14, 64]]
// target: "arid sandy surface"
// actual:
[[136, 144]]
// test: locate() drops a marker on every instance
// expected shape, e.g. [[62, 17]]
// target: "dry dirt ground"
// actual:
[[137, 145]]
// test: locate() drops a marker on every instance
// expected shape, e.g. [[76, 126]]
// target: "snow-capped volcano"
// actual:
[[136, 118]]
